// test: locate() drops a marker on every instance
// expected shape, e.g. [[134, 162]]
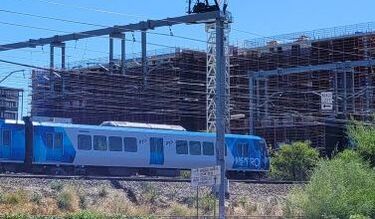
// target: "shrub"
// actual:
[[294, 162], [185, 174], [339, 188], [56, 185], [103, 192], [83, 203], [36, 198], [150, 193], [14, 198], [207, 203], [363, 137], [68, 200]]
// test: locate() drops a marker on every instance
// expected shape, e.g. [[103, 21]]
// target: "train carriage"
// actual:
[[114, 150]]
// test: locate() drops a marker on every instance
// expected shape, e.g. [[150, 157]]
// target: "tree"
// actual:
[[363, 137], [339, 188], [294, 161]]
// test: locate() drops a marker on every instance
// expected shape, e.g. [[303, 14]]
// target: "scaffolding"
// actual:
[[276, 86], [286, 82], [174, 93]]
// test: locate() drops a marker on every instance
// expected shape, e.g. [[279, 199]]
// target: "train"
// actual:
[[120, 150]]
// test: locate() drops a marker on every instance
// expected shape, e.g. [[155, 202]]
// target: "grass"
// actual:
[[103, 192], [150, 193], [36, 198], [14, 198], [68, 200], [56, 185], [179, 210], [74, 202]]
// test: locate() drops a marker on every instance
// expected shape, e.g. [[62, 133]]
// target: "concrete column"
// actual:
[[52, 57], [144, 56], [63, 56], [123, 54], [110, 49]]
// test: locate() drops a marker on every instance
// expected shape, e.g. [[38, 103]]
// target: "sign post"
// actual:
[[327, 101], [206, 176]]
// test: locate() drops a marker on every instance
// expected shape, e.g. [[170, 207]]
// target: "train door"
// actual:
[[5, 143], [156, 151], [54, 146]]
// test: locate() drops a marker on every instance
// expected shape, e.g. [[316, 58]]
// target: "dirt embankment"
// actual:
[[51, 197]]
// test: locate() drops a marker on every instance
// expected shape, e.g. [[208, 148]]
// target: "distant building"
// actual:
[[9, 102]]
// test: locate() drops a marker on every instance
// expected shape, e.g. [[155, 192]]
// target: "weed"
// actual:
[[103, 192], [14, 198], [82, 201], [180, 210], [56, 185], [150, 193], [207, 203], [185, 174], [67, 200], [36, 198]]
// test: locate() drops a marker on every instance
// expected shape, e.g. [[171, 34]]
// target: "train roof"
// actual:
[[145, 130], [142, 125]]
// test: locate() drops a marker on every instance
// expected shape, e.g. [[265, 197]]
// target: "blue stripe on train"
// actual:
[[42, 153]]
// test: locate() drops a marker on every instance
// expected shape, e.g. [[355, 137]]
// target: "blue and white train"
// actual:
[[50, 148]]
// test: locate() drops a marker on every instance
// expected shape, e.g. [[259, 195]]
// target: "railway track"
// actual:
[[137, 178]]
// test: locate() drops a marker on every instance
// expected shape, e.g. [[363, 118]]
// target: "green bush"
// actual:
[[207, 203], [339, 188], [294, 161], [363, 137]]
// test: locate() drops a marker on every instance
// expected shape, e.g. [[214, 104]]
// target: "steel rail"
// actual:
[[140, 179]]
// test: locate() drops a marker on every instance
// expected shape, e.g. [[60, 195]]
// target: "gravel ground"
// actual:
[[245, 199]]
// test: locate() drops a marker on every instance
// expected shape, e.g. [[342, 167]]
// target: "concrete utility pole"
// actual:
[[220, 110]]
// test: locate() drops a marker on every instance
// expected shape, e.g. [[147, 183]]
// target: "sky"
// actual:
[[256, 18]]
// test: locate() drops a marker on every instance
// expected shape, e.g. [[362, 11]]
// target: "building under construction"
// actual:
[[303, 86], [172, 92], [10, 98]]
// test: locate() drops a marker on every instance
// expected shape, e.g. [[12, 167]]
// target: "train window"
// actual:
[[130, 144], [49, 140], [6, 137], [195, 148], [263, 147], [243, 149], [115, 143], [58, 143], [182, 147], [208, 148], [100, 143], [84, 142]]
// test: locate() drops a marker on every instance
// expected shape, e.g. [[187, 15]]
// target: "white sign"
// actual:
[[207, 176], [327, 100]]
